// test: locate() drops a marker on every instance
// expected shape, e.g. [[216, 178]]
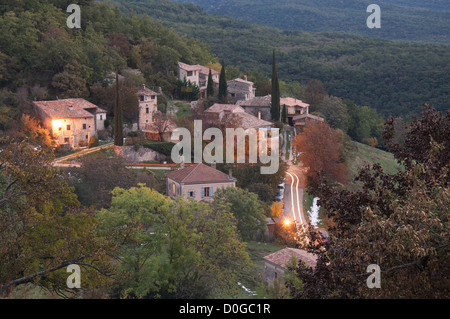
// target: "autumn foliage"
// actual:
[[318, 145]]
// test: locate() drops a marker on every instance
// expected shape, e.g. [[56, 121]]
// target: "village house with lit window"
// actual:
[[198, 182], [71, 122]]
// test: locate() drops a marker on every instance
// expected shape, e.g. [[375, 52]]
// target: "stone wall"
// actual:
[[134, 154]]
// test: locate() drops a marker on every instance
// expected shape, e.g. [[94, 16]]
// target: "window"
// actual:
[[189, 73], [153, 97], [207, 192], [66, 140], [68, 127], [59, 128], [191, 194], [84, 126], [173, 189], [86, 137], [142, 97], [101, 117], [147, 110]]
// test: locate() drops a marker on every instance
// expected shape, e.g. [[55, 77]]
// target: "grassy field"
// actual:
[[362, 154], [358, 157]]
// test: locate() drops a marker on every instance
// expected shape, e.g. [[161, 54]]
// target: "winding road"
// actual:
[[293, 199]]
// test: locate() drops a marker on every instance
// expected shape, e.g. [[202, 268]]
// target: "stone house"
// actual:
[[220, 111], [160, 128], [198, 75], [293, 107], [234, 116], [275, 264], [258, 106], [197, 181], [241, 89], [301, 120], [71, 122], [148, 105]]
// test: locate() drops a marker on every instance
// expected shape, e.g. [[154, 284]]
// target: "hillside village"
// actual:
[[88, 175], [74, 123]]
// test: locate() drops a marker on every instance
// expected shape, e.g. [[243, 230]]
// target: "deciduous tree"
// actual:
[[399, 222], [246, 208], [318, 145], [42, 227]]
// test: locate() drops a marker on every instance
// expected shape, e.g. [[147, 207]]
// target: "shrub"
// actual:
[[93, 141], [164, 148]]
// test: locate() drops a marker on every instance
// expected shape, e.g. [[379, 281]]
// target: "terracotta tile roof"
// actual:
[[260, 101], [284, 256], [199, 174], [66, 108], [290, 101], [247, 121], [310, 116], [217, 108], [145, 91], [188, 67], [242, 81], [205, 70]]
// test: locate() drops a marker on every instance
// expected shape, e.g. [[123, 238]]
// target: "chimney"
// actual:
[[245, 77], [182, 162], [143, 86], [230, 173]]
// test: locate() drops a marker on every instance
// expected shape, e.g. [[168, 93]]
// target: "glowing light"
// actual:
[[56, 124], [287, 222]]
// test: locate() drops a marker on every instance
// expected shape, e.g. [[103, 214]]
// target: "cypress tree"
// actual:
[[210, 87], [275, 108], [118, 127], [222, 84], [284, 114]]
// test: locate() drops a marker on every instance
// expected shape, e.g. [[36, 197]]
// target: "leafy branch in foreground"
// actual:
[[399, 222]]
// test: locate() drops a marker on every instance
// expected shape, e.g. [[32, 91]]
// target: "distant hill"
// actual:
[[395, 78], [402, 20]]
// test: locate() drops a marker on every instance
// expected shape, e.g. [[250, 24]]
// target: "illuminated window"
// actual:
[[68, 127]]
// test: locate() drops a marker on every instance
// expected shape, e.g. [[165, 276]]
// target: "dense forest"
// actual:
[[401, 20], [394, 78], [40, 58]]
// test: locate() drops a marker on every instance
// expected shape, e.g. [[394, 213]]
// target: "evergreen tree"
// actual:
[[222, 84], [284, 114], [118, 129], [210, 87], [275, 108]]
